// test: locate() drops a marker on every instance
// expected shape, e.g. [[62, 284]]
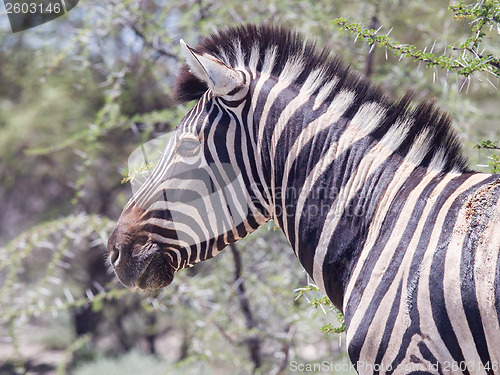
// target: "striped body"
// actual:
[[374, 197]]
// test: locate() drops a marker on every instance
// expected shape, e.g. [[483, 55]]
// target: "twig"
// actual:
[[253, 341], [154, 46], [371, 55]]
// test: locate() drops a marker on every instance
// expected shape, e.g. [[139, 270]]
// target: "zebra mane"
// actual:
[[285, 54]]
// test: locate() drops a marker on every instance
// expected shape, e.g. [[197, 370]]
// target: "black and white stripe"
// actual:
[[373, 195]]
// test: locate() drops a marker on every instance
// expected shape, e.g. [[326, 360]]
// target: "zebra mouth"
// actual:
[[142, 280], [155, 275]]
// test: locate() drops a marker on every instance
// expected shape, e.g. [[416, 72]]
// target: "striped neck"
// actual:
[[328, 171]]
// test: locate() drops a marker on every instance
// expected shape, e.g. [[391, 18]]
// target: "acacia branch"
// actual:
[[252, 341], [151, 44], [463, 65]]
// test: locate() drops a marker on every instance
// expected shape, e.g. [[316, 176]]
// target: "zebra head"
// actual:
[[198, 198]]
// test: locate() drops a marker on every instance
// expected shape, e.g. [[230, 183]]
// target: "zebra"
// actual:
[[373, 194]]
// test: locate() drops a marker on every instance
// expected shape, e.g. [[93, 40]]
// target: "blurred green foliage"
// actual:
[[78, 94], [494, 162]]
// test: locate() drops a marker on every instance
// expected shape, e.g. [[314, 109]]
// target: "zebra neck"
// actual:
[[327, 177]]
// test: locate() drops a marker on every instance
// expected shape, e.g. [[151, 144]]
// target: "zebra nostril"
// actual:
[[114, 255]]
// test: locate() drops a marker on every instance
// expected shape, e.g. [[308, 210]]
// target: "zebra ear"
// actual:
[[219, 77]]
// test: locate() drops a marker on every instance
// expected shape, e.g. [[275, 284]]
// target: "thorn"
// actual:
[[68, 295], [491, 83], [462, 85], [89, 294], [99, 287], [434, 45]]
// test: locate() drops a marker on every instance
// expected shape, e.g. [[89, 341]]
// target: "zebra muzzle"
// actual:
[[137, 262]]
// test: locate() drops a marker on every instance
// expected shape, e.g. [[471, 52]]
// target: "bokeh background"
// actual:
[[79, 94]]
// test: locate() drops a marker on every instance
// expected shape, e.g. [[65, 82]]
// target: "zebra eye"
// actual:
[[188, 147]]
